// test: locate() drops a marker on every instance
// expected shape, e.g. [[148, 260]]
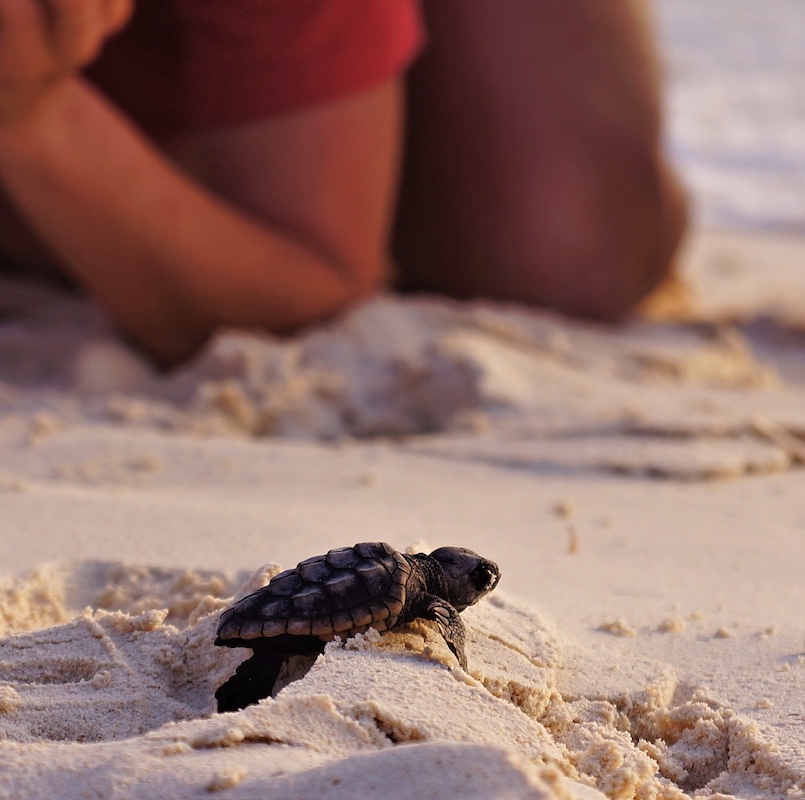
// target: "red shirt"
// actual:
[[185, 65]]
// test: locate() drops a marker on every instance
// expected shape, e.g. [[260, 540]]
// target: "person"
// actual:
[[198, 163]]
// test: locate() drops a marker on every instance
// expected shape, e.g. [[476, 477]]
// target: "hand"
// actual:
[[42, 42]]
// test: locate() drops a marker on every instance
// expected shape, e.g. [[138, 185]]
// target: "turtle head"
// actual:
[[469, 577]]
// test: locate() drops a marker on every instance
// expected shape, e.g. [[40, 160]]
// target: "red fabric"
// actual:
[[184, 65]]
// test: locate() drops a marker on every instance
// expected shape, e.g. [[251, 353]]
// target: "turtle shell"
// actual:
[[345, 591]]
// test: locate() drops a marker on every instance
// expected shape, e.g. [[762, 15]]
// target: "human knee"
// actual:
[[602, 239]]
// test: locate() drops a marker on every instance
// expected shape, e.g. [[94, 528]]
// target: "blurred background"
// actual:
[[736, 109]]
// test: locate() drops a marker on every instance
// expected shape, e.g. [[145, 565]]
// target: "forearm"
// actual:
[[170, 260]]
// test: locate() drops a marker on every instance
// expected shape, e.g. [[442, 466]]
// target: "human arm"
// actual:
[[296, 234]]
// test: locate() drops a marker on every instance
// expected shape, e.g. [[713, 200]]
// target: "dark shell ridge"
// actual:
[[346, 589]]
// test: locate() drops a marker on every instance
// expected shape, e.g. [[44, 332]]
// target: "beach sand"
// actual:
[[640, 489]]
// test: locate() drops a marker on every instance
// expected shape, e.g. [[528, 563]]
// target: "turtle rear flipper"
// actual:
[[253, 680], [450, 625]]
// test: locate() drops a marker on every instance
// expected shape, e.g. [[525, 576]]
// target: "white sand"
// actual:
[[641, 490]]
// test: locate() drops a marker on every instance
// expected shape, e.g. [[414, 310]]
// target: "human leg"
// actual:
[[533, 169]]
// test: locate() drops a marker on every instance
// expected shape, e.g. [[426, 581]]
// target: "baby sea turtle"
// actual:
[[345, 592]]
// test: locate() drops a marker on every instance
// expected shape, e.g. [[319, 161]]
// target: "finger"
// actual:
[[77, 29], [68, 28], [117, 14], [101, 17], [26, 64], [24, 41], [22, 18]]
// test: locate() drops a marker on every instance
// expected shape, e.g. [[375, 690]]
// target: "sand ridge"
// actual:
[[690, 400], [584, 460], [137, 692]]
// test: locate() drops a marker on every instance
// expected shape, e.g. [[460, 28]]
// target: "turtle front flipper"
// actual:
[[450, 625], [253, 680]]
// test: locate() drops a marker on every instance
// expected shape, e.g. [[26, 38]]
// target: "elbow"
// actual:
[[167, 343], [364, 278]]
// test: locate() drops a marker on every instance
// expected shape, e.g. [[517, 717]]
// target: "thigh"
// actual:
[[533, 151]]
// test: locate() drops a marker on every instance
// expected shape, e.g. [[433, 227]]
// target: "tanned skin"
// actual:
[[533, 173], [534, 170]]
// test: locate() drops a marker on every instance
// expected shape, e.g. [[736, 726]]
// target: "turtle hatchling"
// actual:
[[344, 592]]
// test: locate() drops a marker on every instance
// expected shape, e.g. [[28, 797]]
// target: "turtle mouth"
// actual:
[[485, 577]]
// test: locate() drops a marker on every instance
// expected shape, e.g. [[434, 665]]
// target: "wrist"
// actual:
[[24, 132]]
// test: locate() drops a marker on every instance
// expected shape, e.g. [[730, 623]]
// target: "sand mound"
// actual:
[[401, 368], [461, 421], [137, 693]]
